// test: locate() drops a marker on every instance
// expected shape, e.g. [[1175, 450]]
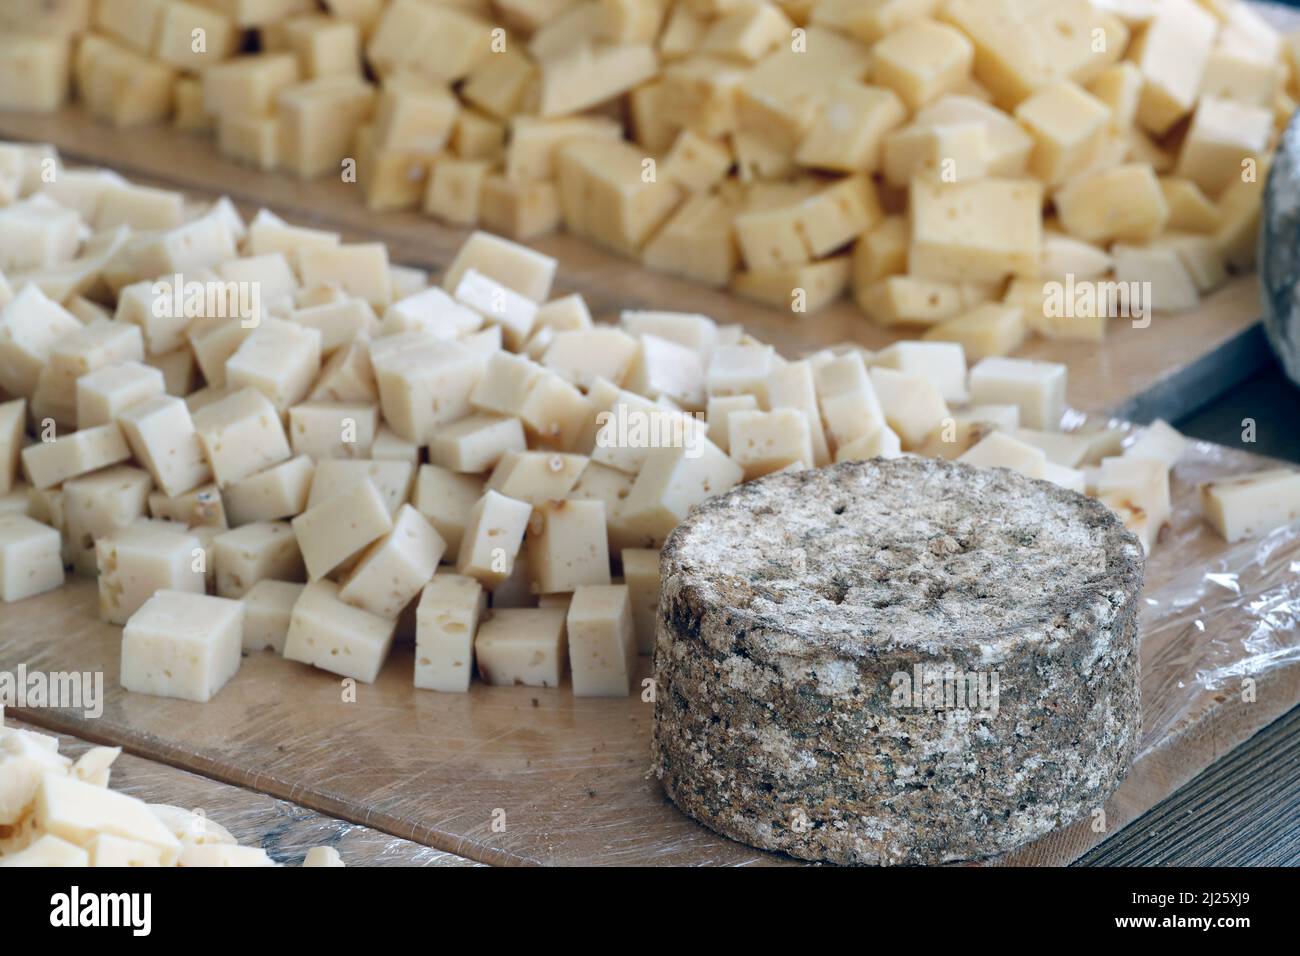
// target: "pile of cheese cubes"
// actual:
[[57, 812], [357, 455], [943, 158]]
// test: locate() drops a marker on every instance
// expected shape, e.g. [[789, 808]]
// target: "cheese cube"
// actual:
[[1246, 506], [395, 568], [108, 850], [1068, 126], [852, 416], [1224, 137], [50, 463], [948, 151], [77, 811], [279, 491], [1124, 203], [447, 500], [476, 443], [554, 412], [1007, 146], [30, 325], [454, 189], [521, 211], [696, 241], [337, 637], [254, 552], [499, 83], [739, 370], [442, 43], [499, 304], [182, 645], [338, 527], [95, 504], [318, 119], [791, 386], [882, 442], [605, 197], [361, 270], [425, 385], [921, 61], [1171, 53], [447, 620], [847, 136], [522, 646], [1068, 449], [899, 300], [102, 342], [13, 421], [33, 72], [581, 356], [1143, 482], [389, 446], [978, 231], [987, 330], [494, 531], [568, 545], [764, 442], [432, 312], [280, 359], [804, 228], [268, 606], [881, 251], [1000, 450], [241, 434], [120, 85], [526, 271], [348, 376], [1070, 479], [47, 851], [674, 480], [1161, 270], [179, 29], [333, 429], [1160, 442], [912, 405], [942, 364], [162, 437], [148, 556], [30, 560], [1238, 233], [602, 641], [610, 486], [535, 476], [662, 368], [641, 575], [1134, 517], [1036, 388], [1189, 208]]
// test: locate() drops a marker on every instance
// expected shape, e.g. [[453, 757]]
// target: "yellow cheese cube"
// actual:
[[1171, 53], [325, 46], [978, 231], [193, 38], [1240, 208], [1235, 76], [591, 75], [437, 41], [493, 532], [1225, 138], [1120, 88], [698, 92], [132, 22], [248, 85], [696, 242], [606, 197], [869, 20], [191, 114], [921, 61], [499, 83], [1067, 125], [881, 251], [455, 188], [1161, 270], [951, 152], [521, 211], [534, 143], [796, 233], [1123, 203], [803, 288], [695, 163], [902, 299], [318, 121], [412, 114], [987, 330], [1189, 208], [121, 86], [253, 140], [747, 32], [33, 72], [847, 136], [1200, 256]]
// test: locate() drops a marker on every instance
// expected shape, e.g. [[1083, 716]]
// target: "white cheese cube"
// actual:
[[581, 356], [97, 503], [255, 552], [107, 850], [182, 645], [447, 619], [447, 500], [516, 266], [665, 368], [1160, 442], [566, 313], [394, 569], [145, 557], [223, 855], [30, 558], [338, 323], [476, 443], [522, 646], [202, 506], [46, 851], [943, 364], [30, 326], [1143, 482], [739, 370], [1161, 270], [1069, 449], [601, 483], [1000, 450], [360, 270], [499, 304], [852, 415], [333, 429], [536, 476], [881, 443], [641, 575], [718, 414], [390, 446], [268, 605], [102, 395], [1036, 388], [333, 476], [913, 406], [568, 545], [338, 527], [271, 494], [162, 437], [49, 463], [493, 534], [554, 412], [241, 434], [280, 359], [337, 637], [424, 383], [1246, 506], [764, 442], [78, 812], [698, 332], [602, 641], [672, 481], [793, 385], [1070, 478], [431, 312], [503, 389], [102, 342]]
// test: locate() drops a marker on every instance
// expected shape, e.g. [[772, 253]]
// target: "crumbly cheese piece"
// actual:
[[522, 646], [396, 567], [334, 636], [338, 527], [139, 560], [447, 619], [182, 645], [268, 606], [30, 559], [1245, 506]]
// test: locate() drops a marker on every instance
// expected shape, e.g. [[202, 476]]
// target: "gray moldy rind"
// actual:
[[789, 606]]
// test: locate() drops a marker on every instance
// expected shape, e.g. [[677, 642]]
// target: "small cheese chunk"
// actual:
[[323, 856], [671, 482], [536, 476], [641, 575], [333, 429], [602, 641], [1121, 203], [985, 331], [268, 606], [1036, 388], [337, 637], [1000, 450], [976, 231], [271, 494], [241, 434], [494, 531], [764, 442], [95, 504], [182, 645], [522, 646], [30, 560], [145, 557], [162, 437], [881, 442], [476, 443], [447, 499], [568, 545], [447, 619], [49, 463], [1246, 506], [1171, 53], [1068, 126], [254, 552], [921, 61], [338, 527], [333, 476], [913, 407], [393, 570], [516, 266], [1159, 442]]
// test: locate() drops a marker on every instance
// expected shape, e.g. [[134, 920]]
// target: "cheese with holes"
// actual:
[[182, 645]]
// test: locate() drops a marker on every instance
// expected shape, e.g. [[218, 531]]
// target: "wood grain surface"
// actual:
[[285, 830], [515, 775], [1103, 376]]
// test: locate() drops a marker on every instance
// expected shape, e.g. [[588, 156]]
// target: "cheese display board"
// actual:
[[518, 775], [1105, 375], [285, 830]]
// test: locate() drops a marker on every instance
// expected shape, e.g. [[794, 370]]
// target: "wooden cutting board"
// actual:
[[285, 830], [513, 775], [1103, 376]]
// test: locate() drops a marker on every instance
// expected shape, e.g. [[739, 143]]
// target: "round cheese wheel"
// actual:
[[906, 661]]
